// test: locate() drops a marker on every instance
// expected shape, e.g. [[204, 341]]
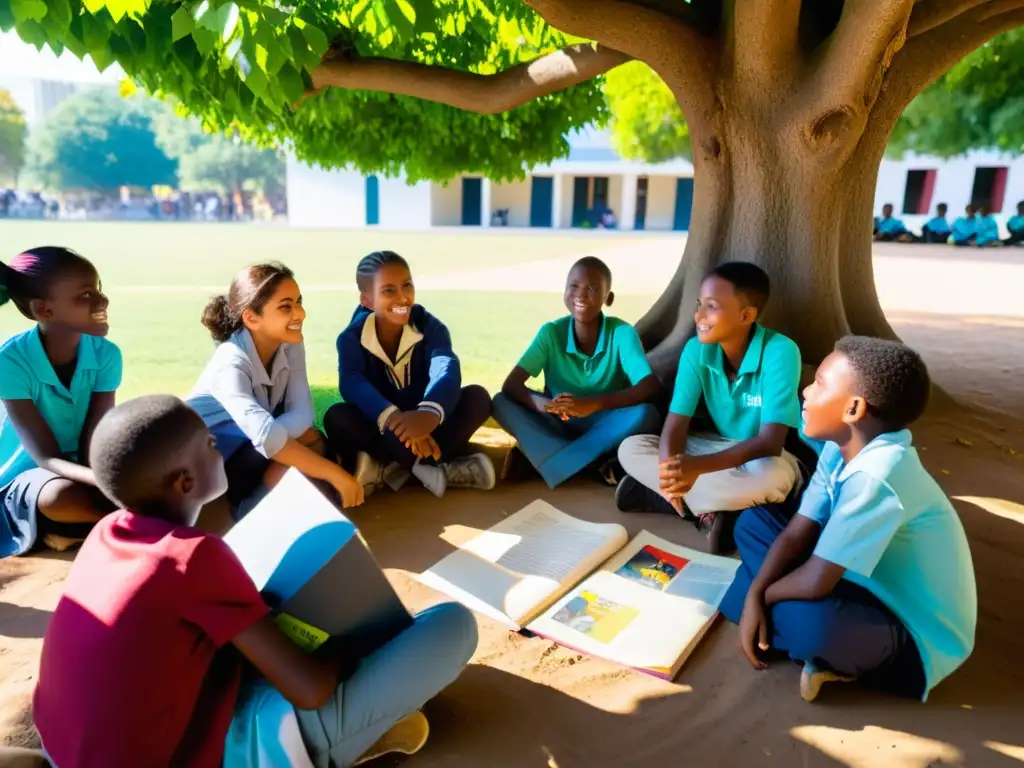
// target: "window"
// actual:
[[917, 199], [989, 188], [641, 202]]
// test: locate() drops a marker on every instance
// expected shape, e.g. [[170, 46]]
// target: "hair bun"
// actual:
[[217, 317]]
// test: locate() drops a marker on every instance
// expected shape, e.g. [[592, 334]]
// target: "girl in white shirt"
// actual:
[[254, 395]]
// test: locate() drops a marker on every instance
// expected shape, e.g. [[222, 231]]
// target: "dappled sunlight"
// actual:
[[865, 748], [458, 535], [1006, 750], [1009, 510]]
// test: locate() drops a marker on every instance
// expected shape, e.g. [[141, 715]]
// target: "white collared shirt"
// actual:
[[235, 386]]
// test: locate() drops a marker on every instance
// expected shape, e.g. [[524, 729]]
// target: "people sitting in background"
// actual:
[[965, 228], [746, 377], [890, 229], [937, 229], [598, 386], [151, 592], [406, 412], [254, 394], [1016, 227], [608, 220], [987, 229], [873, 577]]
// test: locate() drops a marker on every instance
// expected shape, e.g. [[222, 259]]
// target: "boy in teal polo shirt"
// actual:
[[1015, 226], [873, 577], [747, 377], [598, 384]]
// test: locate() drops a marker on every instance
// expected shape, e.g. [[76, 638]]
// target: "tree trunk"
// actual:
[[773, 202]]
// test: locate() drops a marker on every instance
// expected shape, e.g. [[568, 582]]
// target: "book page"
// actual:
[[515, 569], [646, 607]]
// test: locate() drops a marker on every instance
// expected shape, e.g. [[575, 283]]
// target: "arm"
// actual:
[[299, 415], [643, 392], [813, 580], [796, 540], [99, 405], [644, 385], [39, 442], [445, 384], [354, 385], [515, 389], [306, 680], [769, 442]]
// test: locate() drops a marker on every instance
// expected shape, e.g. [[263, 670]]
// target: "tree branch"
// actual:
[[484, 94], [858, 53], [765, 40], [926, 57], [672, 45], [929, 14]]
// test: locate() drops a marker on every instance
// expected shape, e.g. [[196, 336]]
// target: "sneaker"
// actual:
[[395, 476], [812, 678], [407, 736], [433, 477], [369, 473], [516, 466], [633, 496], [474, 471]]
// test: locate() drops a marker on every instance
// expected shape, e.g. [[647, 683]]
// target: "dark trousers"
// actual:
[[1014, 238], [850, 631], [349, 431], [927, 236]]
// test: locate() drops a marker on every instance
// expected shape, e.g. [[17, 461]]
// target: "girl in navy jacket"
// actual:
[[405, 408]]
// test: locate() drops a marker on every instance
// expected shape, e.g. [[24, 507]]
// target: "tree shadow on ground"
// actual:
[[22, 621]]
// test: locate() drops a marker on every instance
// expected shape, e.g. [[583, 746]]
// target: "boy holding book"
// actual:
[[135, 670], [746, 376], [873, 577]]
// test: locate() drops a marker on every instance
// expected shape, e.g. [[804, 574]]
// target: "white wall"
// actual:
[[404, 206], [446, 203], [319, 198], [661, 202], [615, 194], [565, 220], [514, 195]]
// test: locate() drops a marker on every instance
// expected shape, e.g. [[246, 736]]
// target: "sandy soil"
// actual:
[[526, 702]]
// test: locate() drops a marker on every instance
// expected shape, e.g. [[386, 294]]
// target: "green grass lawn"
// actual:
[[159, 277]]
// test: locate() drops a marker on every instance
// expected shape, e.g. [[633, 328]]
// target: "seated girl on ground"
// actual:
[[597, 381], [405, 410], [254, 395], [57, 380]]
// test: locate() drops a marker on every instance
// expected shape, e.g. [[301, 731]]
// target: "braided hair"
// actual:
[[371, 264]]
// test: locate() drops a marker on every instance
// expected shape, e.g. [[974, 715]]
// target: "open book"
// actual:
[[647, 605]]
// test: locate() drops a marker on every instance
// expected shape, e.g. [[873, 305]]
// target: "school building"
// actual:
[[573, 192]]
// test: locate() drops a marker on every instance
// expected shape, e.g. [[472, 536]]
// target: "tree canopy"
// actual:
[[12, 138], [95, 140]]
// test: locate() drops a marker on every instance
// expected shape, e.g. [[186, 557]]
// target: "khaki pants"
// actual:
[[763, 481]]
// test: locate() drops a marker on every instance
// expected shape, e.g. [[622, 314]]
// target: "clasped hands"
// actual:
[[567, 406], [676, 477], [414, 429]]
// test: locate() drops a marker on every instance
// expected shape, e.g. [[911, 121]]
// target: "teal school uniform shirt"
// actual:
[[887, 522], [987, 229], [964, 228], [891, 226], [26, 374], [938, 225], [618, 361], [1015, 224], [763, 392]]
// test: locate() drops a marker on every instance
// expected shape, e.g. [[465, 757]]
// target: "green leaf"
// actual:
[[95, 33], [291, 83], [120, 8], [403, 18], [102, 58], [182, 23], [273, 57], [302, 54], [256, 81], [317, 40], [58, 13], [205, 40], [28, 10], [221, 20]]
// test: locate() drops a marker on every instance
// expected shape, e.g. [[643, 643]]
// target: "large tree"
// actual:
[[789, 105], [12, 138], [95, 140]]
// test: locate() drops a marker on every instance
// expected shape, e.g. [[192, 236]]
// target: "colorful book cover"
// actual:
[[653, 567], [595, 616], [304, 635]]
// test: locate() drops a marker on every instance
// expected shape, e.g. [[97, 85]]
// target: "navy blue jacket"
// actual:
[[426, 374]]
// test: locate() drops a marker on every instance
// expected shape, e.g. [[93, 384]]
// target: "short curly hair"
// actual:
[[138, 444], [893, 378]]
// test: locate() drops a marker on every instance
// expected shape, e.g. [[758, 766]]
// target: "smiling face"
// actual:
[[280, 319], [586, 293], [75, 302], [392, 295], [722, 313]]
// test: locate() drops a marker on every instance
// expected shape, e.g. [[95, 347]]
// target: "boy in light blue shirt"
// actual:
[[937, 229], [873, 577], [965, 228], [986, 230], [890, 229], [1015, 225]]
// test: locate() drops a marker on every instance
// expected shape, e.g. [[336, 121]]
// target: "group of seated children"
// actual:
[[976, 228], [870, 578]]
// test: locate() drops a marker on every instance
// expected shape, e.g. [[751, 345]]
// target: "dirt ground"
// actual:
[[526, 702]]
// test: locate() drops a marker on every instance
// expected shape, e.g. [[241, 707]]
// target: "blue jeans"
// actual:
[[560, 449], [392, 682], [850, 632]]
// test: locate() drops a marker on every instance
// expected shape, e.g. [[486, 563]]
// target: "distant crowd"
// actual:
[[977, 228]]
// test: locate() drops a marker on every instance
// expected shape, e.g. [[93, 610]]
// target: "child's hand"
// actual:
[[675, 477], [424, 448], [754, 629], [568, 406], [351, 491], [413, 425]]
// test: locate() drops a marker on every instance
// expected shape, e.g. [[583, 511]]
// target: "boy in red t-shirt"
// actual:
[[135, 667]]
